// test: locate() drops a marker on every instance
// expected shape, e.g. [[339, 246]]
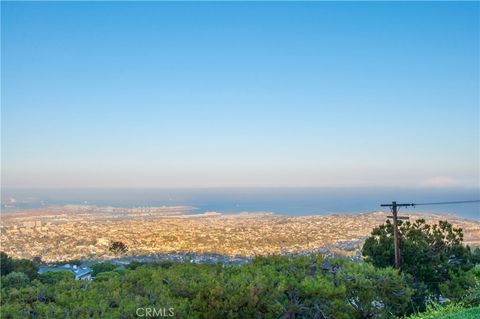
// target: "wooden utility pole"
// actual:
[[396, 237]]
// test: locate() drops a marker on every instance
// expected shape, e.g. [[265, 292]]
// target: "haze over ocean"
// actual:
[[284, 201]]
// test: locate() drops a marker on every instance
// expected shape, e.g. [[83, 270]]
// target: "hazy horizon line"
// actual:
[[244, 187]]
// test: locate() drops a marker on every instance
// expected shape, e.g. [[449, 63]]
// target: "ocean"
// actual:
[[282, 201]]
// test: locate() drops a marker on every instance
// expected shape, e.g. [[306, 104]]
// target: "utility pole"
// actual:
[[396, 238]]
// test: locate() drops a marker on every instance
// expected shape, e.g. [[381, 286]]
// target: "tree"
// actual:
[[372, 291], [54, 277], [462, 286], [37, 260], [430, 253], [118, 248], [102, 267], [356, 290], [106, 276], [26, 266], [6, 264], [15, 280]]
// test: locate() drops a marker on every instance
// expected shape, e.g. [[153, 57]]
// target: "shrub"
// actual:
[[102, 267], [15, 280], [54, 277]]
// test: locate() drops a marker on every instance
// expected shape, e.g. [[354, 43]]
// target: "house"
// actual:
[[80, 272]]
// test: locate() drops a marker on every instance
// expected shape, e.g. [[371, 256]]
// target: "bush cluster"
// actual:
[[269, 287]]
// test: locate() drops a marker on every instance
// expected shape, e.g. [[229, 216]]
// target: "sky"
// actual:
[[153, 94]]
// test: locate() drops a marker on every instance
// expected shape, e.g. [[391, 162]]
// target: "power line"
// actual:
[[435, 203], [448, 203]]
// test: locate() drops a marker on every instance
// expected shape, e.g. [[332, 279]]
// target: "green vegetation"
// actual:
[[436, 266], [433, 256], [269, 287], [473, 313], [451, 311], [54, 277], [8, 265], [102, 267]]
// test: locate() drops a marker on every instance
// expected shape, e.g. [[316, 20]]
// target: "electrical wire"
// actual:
[[448, 203]]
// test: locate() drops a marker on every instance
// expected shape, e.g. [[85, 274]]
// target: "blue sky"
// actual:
[[240, 94]]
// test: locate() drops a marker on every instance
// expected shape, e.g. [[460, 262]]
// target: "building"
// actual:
[[80, 272]]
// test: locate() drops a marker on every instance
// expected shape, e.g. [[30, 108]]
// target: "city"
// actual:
[[62, 233]]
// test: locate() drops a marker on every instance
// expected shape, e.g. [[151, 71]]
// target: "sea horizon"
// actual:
[[290, 201]]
